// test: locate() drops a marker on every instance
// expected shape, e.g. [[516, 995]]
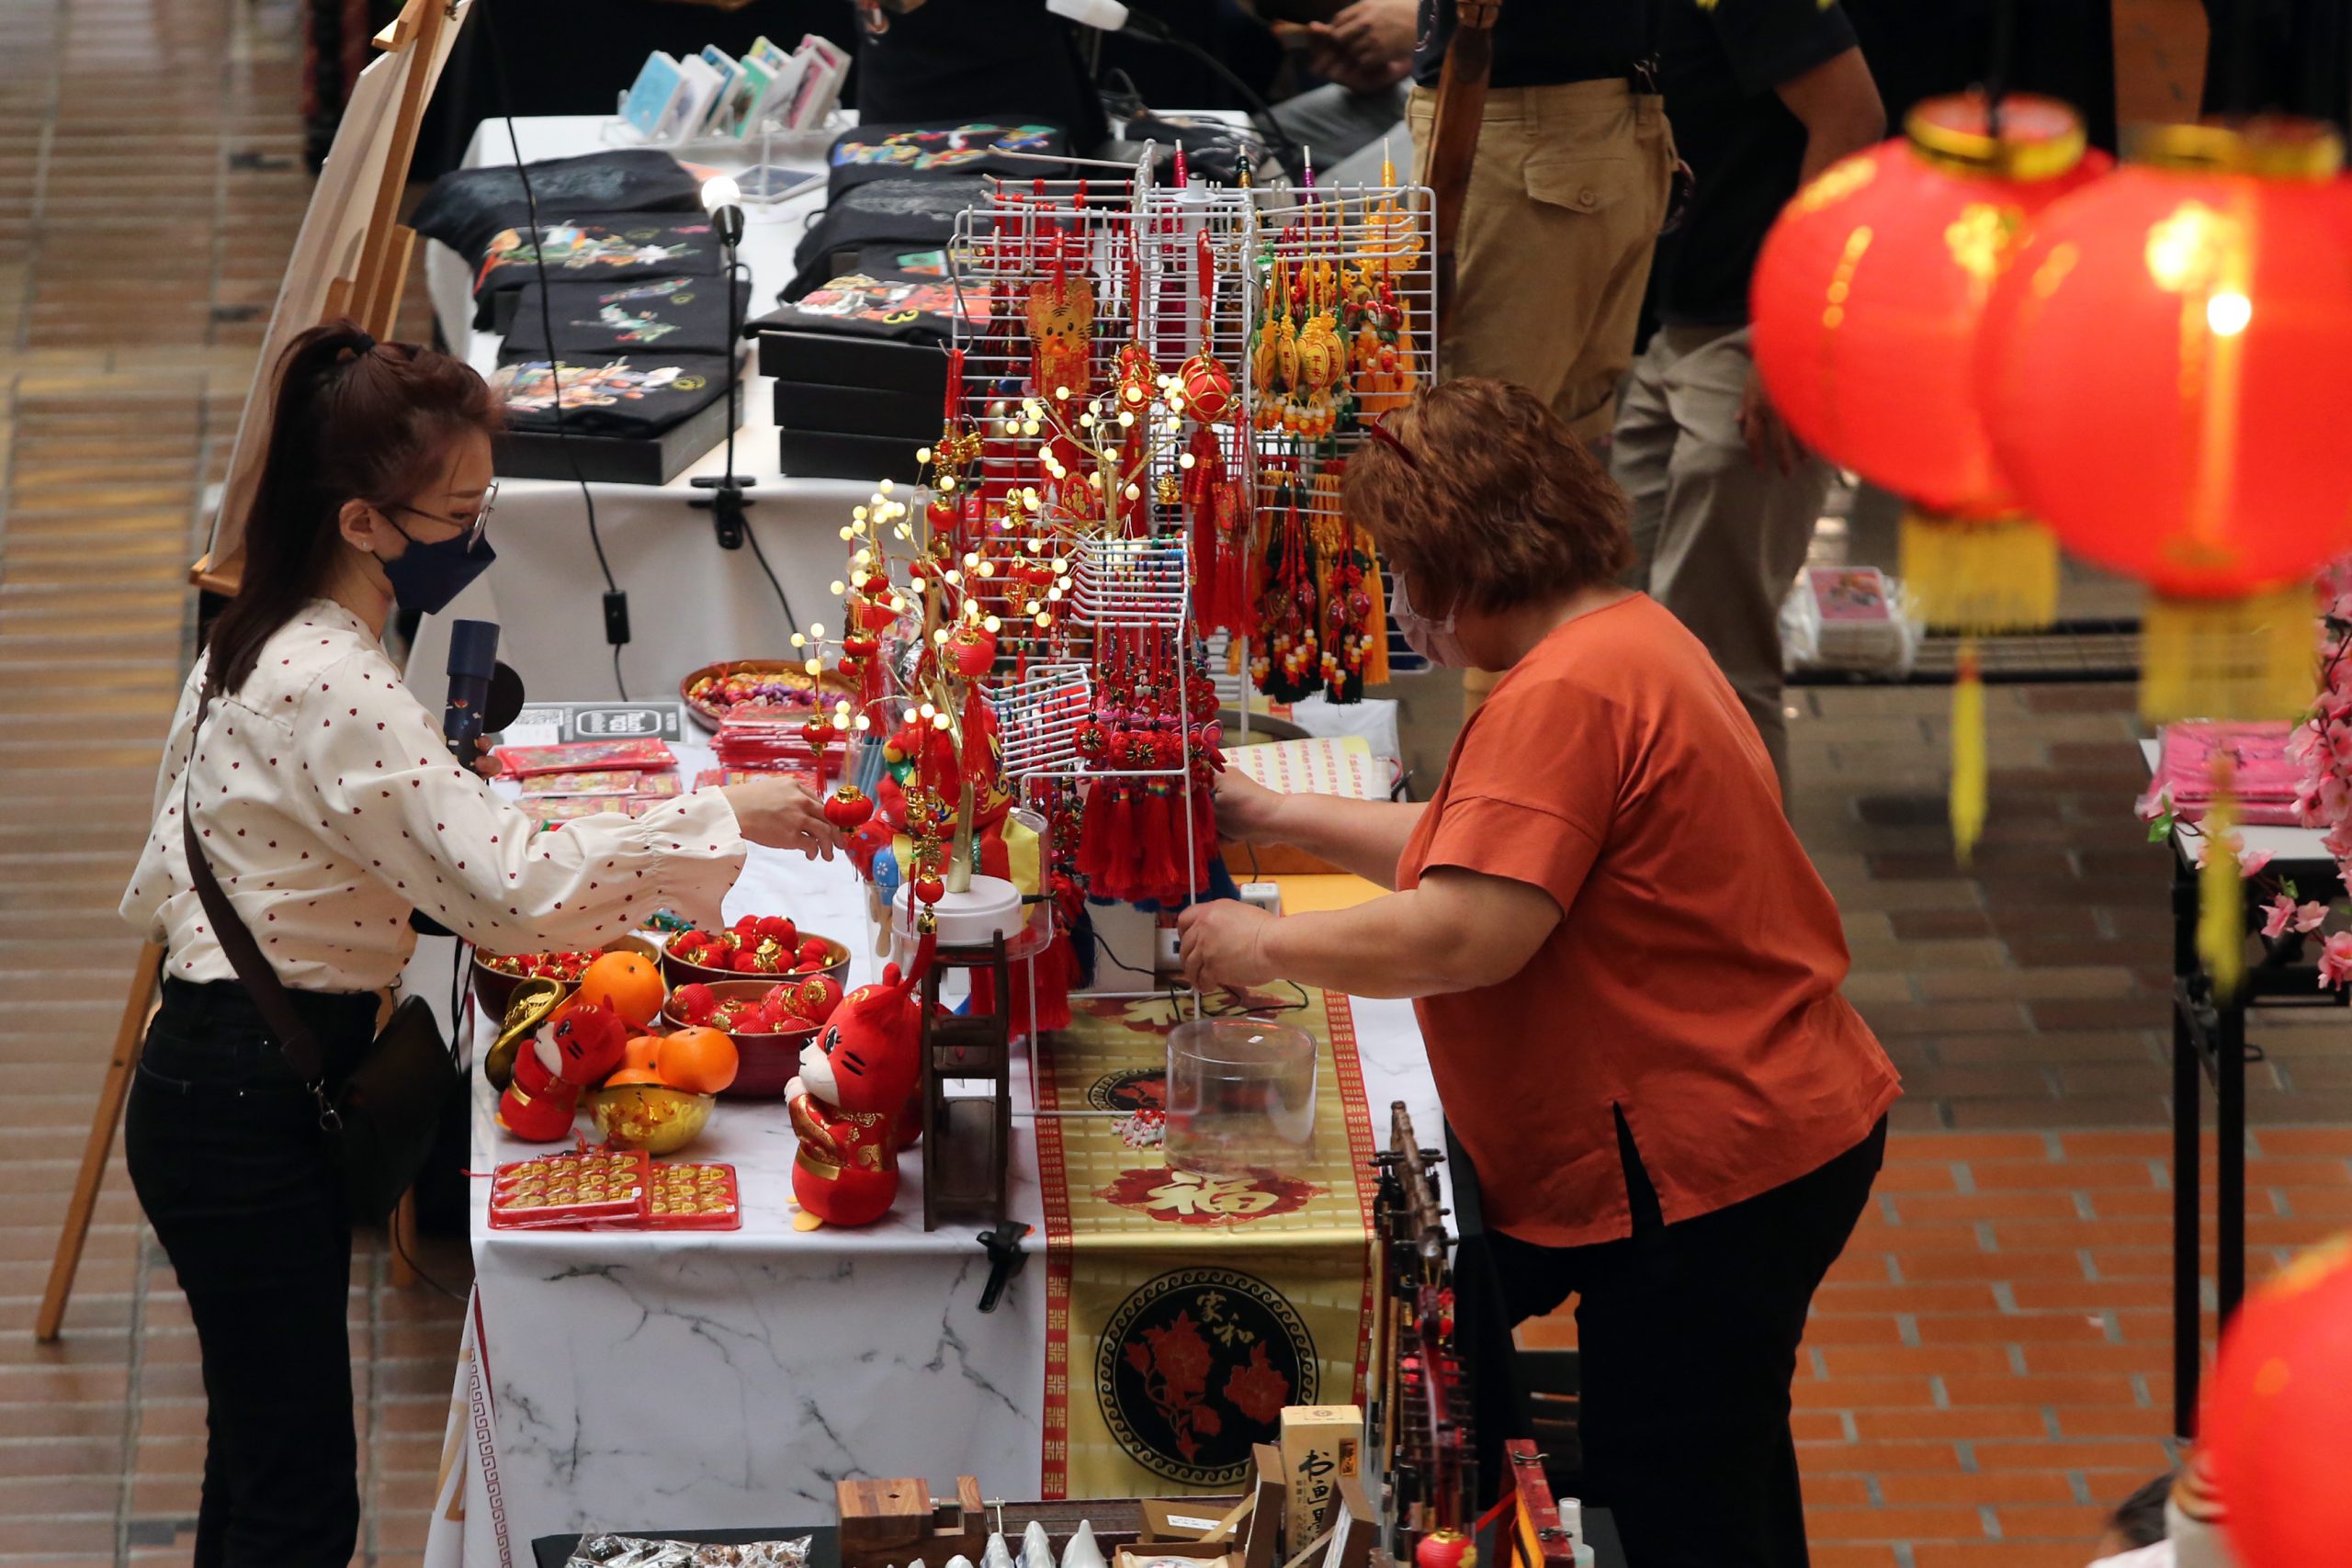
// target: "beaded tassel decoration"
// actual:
[[1291, 663]]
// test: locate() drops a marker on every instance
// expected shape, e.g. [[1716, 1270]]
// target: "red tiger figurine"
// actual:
[[850, 1102]]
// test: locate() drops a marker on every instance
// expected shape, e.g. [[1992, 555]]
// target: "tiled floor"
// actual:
[[1986, 1370]]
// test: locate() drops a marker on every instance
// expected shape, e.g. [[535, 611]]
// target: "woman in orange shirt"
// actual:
[[1625, 967]]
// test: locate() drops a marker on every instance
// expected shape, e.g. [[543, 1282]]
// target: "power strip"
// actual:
[[1266, 895]]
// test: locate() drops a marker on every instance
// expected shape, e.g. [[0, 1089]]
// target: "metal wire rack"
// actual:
[[1350, 244]]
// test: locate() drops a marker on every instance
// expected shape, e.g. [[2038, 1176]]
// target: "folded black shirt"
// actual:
[[603, 248], [944, 150], [467, 208], [665, 315], [637, 395]]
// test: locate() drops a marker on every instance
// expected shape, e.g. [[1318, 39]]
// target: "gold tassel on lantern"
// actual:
[[2229, 659], [1991, 577], [1375, 625], [2221, 890], [1968, 791]]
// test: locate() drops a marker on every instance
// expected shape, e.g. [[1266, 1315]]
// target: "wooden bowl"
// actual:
[[494, 989], [678, 970], [764, 1063], [793, 673]]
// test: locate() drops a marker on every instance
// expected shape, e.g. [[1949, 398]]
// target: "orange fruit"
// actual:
[[641, 1052], [698, 1060], [628, 983]]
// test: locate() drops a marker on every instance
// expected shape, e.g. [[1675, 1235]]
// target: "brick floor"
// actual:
[[1986, 1370]]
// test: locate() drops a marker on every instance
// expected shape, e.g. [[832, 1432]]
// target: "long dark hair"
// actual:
[[352, 420]]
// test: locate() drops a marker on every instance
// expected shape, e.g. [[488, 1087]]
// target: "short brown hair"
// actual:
[[1485, 500]]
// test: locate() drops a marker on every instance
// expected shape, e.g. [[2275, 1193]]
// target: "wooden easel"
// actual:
[[350, 259]]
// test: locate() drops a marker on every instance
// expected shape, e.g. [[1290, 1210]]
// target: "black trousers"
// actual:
[[225, 1151], [1686, 1339]]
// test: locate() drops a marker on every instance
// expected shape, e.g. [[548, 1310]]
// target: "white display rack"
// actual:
[[1038, 719], [1384, 232], [1133, 582]]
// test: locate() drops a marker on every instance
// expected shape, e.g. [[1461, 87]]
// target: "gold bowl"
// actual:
[[654, 1116]]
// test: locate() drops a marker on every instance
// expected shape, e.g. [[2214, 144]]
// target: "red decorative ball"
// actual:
[[2276, 1425], [1208, 389], [2162, 373], [1871, 288]]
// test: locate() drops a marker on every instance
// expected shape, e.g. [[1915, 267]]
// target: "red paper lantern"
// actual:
[[1871, 288], [2275, 1431], [2163, 373], [1868, 302]]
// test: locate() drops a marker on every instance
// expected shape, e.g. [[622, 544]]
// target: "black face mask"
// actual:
[[424, 578]]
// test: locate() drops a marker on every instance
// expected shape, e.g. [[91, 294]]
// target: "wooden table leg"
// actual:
[[129, 1033]]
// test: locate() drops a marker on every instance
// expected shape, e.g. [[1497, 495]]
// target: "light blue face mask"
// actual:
[[1436, 641]]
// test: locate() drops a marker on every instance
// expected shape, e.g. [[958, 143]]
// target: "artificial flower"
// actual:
[[2335, 961]]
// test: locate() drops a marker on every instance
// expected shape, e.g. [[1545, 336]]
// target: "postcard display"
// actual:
[[1141, 443]]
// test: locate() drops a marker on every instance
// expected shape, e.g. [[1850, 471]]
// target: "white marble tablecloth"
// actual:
[[728, 1379]]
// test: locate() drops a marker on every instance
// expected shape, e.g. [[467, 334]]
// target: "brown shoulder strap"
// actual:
[[244, 955]]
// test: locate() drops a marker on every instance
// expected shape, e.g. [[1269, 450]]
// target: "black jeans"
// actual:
[[225, 1151], [1686, 1339]]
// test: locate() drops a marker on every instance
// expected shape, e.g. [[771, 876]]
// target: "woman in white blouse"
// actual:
[[328, 808]]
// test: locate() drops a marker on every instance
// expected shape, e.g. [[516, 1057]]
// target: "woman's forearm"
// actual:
[[1366, 837], [1456, 934]]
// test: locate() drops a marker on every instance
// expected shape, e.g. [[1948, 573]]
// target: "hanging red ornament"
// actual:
[[2162, 379], [2274, 1425], [849, 807], [1868, 301], [972, 649]]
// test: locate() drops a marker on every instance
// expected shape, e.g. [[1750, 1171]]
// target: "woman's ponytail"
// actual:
[[352, 419]]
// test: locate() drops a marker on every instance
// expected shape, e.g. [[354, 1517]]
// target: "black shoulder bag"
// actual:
[[380, 1122]]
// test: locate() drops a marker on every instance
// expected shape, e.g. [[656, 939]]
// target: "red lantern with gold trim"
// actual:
[[1868, 302], [1868, 298], [2276, 1426], [2163, 381]]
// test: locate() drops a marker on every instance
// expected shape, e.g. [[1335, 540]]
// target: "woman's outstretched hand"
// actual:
[[1246, 809], [783, 816], [1223, 943]]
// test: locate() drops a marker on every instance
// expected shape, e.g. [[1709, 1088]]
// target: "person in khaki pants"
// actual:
[[1575, 165], [1763, 95]]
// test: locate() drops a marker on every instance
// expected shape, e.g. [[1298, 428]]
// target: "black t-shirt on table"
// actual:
[[1540, 43], [1718, 68]]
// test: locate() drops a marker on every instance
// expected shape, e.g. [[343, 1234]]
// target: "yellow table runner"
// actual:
[[1183, 1313]]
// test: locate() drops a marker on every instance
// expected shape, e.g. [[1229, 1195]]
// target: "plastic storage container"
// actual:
[[1240, 1098]]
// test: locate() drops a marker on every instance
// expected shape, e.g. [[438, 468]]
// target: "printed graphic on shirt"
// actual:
[[892, 302], [592, 247], [620, 395], [941, 149], [532, 388]]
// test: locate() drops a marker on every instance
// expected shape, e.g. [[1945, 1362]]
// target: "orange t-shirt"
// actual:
[[1693, 980]]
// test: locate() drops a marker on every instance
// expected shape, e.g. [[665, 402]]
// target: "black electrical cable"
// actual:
[[547, 325], [1287, 152], [1151, 29], [761, 556], [392, 1233]]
